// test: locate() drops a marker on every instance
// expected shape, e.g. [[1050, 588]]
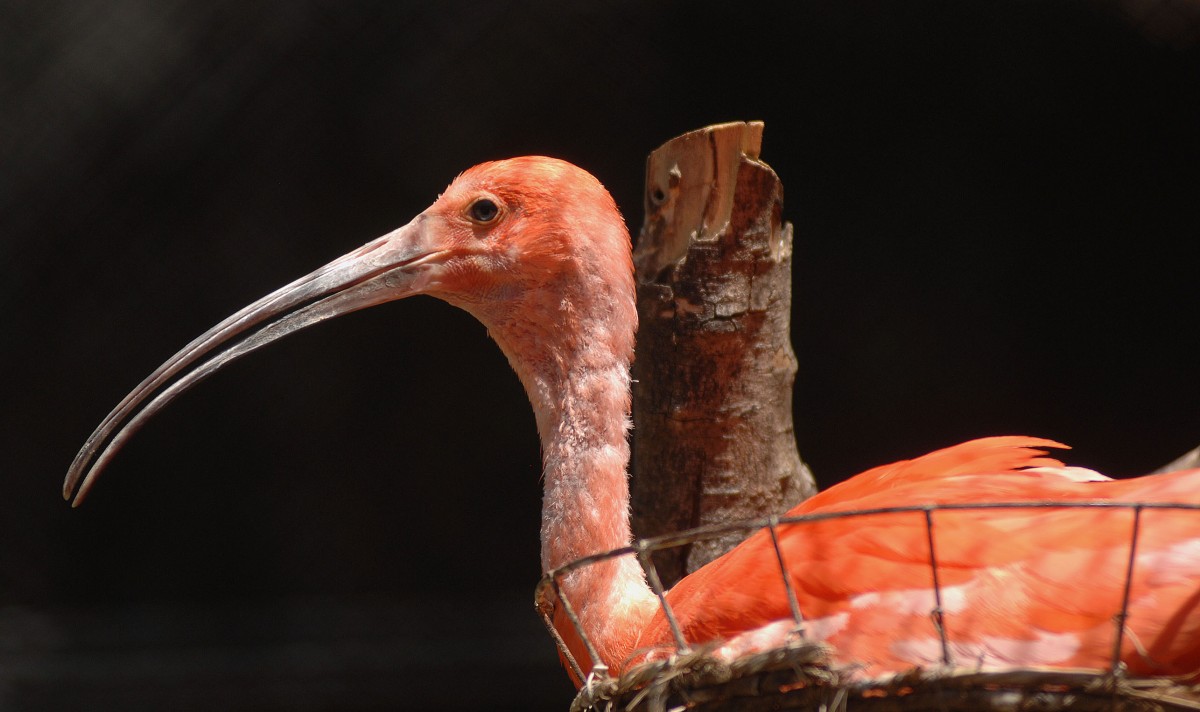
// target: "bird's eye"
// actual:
[[483, 210]]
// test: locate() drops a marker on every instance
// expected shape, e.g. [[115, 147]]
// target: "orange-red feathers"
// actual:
[[1019, 586]]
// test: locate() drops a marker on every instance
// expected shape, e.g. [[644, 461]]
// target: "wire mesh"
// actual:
[[686, 652]]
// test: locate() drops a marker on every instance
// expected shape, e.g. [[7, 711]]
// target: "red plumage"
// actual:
[[1019, 586]]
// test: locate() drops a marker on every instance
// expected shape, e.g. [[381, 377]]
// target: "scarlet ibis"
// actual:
[[535, 249]]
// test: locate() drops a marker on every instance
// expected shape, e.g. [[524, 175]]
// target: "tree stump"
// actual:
[[713, 436]]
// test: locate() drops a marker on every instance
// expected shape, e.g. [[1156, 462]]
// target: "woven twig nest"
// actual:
[[797, 678], [801, 676]]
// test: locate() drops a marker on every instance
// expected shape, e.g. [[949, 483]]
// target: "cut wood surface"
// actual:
[[713, 436]]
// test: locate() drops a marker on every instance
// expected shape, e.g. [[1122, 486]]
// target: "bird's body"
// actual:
[[536, 250], [1019, 586]]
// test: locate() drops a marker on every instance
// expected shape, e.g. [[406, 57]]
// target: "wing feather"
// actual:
[[1019, 586]]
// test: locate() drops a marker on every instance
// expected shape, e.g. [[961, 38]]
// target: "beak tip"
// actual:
[[68, 489], [79, 494]]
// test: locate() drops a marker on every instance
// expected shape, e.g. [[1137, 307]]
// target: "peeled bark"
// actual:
[[713, 434]]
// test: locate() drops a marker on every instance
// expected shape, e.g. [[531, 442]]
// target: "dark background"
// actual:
[[997, 218]]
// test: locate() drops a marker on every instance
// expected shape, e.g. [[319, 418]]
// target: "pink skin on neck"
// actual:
[[571, 346]]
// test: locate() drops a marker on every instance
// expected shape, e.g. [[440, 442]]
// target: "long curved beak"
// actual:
[[388, 268]]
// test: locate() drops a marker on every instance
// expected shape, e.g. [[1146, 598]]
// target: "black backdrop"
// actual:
[[996, 209]]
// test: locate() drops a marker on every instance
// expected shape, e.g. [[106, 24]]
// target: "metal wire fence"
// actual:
[[644, 548]]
